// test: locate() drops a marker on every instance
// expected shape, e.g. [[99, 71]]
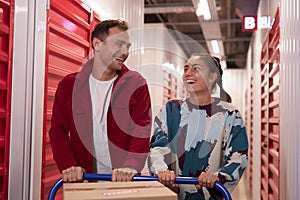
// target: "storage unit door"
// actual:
[[68, 45], [6, 43]]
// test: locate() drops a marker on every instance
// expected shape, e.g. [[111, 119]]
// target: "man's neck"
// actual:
[[102, 73]]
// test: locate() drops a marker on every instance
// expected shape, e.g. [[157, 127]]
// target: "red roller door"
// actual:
[[6, 42], [68, 44]]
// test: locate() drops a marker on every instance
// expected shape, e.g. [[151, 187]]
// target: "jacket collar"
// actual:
[[81, 92]]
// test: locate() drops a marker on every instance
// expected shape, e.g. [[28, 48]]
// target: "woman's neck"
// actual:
[[201, 100]]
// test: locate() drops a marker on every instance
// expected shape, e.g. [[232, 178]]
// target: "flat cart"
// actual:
[[107, 177]]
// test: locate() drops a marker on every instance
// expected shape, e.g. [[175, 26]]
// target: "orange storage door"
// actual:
[[6, 43], [68, 44], [270, 122]]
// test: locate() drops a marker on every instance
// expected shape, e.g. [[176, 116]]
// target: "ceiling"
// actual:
[[225, 25]]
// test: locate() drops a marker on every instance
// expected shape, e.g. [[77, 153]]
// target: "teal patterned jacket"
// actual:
[[190, 139]]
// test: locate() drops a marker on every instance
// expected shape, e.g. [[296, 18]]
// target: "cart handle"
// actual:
[[107, 177]]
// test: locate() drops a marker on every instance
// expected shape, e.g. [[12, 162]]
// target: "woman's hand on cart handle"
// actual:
[[207, 179], [167, 177]]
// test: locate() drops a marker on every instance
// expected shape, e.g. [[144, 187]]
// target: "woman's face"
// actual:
[[197, 77]]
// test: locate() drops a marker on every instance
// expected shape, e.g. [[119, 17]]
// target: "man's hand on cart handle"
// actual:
[[123, 174], [73, 174]]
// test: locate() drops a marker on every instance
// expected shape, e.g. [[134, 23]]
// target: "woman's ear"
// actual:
[[213, 77]]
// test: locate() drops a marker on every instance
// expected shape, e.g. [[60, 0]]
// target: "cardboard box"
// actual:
[[139, 190]]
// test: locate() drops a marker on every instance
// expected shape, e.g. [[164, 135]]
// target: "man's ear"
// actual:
[[96, 43]]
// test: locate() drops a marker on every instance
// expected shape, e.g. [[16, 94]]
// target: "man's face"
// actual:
[[114, 50]]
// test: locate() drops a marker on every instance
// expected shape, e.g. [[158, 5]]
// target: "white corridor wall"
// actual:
[[289, 100]]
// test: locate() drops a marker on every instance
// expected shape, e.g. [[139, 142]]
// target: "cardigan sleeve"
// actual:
[[60, 128], [159, 144], [235, 153], [140, 112]]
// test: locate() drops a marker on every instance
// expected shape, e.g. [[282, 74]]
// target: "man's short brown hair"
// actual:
[[101, 29]]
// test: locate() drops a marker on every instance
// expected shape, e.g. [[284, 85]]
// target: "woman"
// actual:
[[199, 136]]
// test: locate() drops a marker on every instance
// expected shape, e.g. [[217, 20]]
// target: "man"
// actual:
[[101, 118]]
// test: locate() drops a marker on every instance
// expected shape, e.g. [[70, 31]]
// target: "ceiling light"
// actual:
[[199, 11], [215, 46], [203, 9]]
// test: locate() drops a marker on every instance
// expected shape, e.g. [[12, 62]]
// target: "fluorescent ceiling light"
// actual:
[[203, 9], [215, 46], [199, 11]]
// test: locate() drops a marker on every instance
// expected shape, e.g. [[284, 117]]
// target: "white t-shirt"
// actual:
[[101, 95]]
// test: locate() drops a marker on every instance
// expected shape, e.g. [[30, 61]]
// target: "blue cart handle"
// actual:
[[107, 177]]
